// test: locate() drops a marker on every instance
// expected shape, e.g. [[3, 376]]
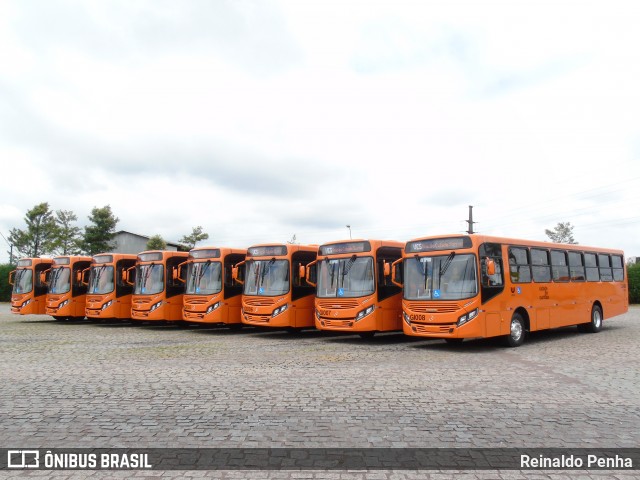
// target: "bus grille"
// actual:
[[257, 318], [420, 328], [138, 300], [337, 304], [338, 323], [434, 307], [193, 300], [258, 302]]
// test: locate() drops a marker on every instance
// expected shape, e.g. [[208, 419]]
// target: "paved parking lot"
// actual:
[[86, 384]]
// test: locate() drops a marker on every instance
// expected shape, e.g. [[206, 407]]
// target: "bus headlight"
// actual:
[[364, 313], [155, 306], [26, 303], [213, 307], [107, 305], [467, 317], [279, 310], [407, 320], [66, 302]]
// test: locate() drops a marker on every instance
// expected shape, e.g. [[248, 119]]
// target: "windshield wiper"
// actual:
[[347, 267], [447, 262], [203, 269], [96, 278], [266, 269]]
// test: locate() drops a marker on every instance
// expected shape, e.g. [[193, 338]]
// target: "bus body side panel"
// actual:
[[36, 305], [303, 312], [229, 311]]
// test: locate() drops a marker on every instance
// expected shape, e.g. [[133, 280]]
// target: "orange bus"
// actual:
[[211, 294], [66, 297], [354, 291], [275, 292], [158, 289], [29, 291], [476, 286], [109, 294]]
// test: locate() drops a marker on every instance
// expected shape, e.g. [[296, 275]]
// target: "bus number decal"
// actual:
[[544, 293], [417, 317]]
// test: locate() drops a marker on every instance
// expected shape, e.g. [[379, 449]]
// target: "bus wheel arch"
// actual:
[[518, 326], [595, 323]]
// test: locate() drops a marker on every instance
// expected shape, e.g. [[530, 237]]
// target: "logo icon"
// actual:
[[23, 459]]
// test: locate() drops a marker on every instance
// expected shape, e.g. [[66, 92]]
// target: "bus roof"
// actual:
[[477, 239]]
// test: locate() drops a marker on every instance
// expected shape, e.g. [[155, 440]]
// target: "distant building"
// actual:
[[127, 242]]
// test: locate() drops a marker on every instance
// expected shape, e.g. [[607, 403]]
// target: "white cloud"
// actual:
[[258, 120]]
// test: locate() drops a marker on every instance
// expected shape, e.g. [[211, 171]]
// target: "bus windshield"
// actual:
[[60, 280], [446, 277], [346, 277], [204, 278], [266, 277], [101, 279], [149, 279], [23, 283]]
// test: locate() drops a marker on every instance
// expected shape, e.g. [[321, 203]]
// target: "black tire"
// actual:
[[236, 326], [454, 341], [516, 335], [367, 334], [59, 318], [596, 321]]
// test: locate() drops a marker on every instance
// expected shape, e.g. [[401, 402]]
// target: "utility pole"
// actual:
[[470, 221]]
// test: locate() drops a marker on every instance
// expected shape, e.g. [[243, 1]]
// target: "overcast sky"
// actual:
[[259, 120]]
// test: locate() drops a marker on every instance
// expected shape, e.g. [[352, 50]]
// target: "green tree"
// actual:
[[40, 235], [69, 241], [633, 275], [99, 236], [5, 288], [196, 236], [562, 233], [156, 243]]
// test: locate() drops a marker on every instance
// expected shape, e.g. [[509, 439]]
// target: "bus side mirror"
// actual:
[[311, 273], [235, 273], [387, 268], [12, 275], [176, 273], [491, 266], [396, 273], [44, 277], [127, 276], [83, 277]]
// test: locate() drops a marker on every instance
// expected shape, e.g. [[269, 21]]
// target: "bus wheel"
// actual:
[[367, 334], [454, 341], [515, 338], [236, 326], [596, 321], [59, 318]]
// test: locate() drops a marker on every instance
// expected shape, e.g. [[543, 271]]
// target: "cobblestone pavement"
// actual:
[[86, 384]]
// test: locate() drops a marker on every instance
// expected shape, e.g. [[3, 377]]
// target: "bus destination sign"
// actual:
[[271, 250], [103, 259], [150, 257], [436, 244], [205, 253], [61, 261], [347, 247], [24, 263]]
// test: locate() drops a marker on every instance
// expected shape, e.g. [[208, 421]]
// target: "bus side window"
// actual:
[[519, 266], [576, 267], [591, 264], [618, 268]]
